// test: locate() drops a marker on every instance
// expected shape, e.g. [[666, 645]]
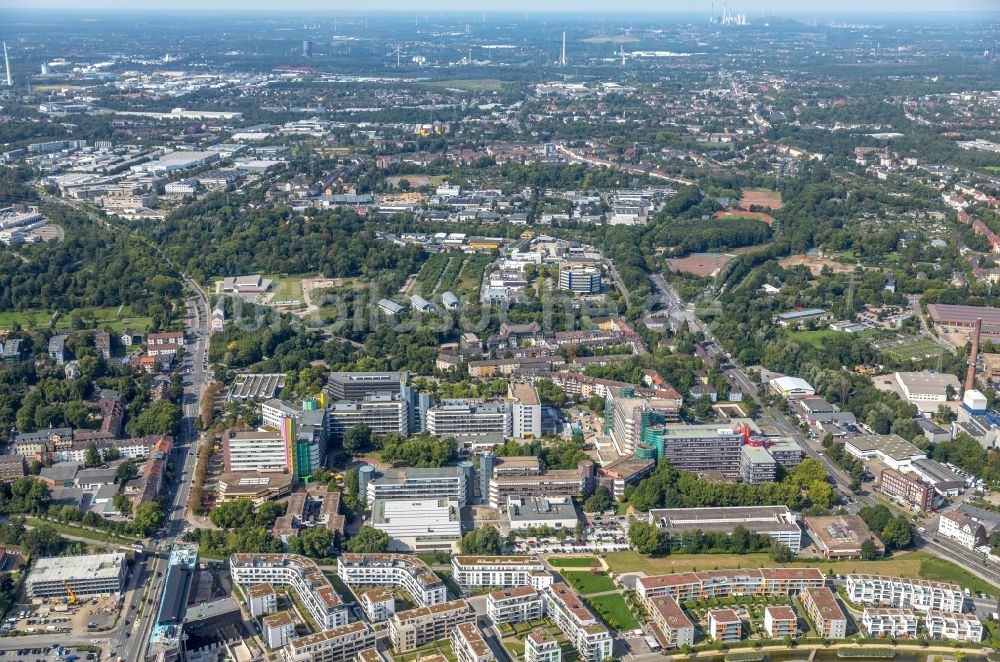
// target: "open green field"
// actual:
[[573, 561], [467, 84], [814, 338], [917, 565], [471, 275], [611, 39], [587, 581], [614, 611], [104, 317], [915, 351], [286, 289], [80, 532]]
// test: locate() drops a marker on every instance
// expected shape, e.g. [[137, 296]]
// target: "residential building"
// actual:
[[540, 646], [962, 528], [724, 625], [468, 644], [379, 604], [780, 621], [411, 629], [954, 626], [907, 489], [57, 348], [685, 586], [824, 611], [585, 632], [12, 467], [519, 604], [339, 644], [920, 594], [526, 410], [841, 536], [892, 622], [418, 525], [672, 626], [778, 522], [262, 599], [92, 574], [298, 573], [404, 571], [278, 629], [472, 572]]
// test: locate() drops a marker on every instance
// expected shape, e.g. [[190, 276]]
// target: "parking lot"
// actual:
[[86, 616], [45, 654], [601, 535]]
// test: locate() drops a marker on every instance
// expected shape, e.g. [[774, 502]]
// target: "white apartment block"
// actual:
[[890, 622], [340, 644], [468, 645], [414, 628], [255, 451], [472, 572], [299, 573], [570, 614], [724, 625], [951, 625], [262, 600], [822, 607], [378, 603], [673, 624], [539, 646], [880, 591], [780, 621], [520, 604], [406, 572], [278, 629], [526, 410]]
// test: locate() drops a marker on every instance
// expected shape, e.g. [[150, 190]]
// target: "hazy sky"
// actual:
[[749, 6]]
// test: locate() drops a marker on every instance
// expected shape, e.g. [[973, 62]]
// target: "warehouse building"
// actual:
[[777, 522], [93, 574], [890, 449]]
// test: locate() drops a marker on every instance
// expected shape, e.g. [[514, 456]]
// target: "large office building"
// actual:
[[382, 413], [522, 476], [822, 607], [921, 594], [418, 525], [626, 415], [399, 570], [520, 604], [172, 610], [591, 639], [757, 465], [703, 448], [907, 489], [470, 423], [580, 279], [255, 450], [340, 644], [358, 385], [93, 574], [411, 629], [420, 483], [685, 586], [777, 522], [526, 410], [474, 572], [899, 623], [306, 430], [298, 573]]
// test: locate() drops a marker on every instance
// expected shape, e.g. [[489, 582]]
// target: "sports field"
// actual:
[[914, 351], [743, 216], [760, 197]]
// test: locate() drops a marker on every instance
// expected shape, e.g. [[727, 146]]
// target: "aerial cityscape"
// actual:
[[532, 334]]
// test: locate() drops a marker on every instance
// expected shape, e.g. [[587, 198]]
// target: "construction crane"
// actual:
[[70, 595]]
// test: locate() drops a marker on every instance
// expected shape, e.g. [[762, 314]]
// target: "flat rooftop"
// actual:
[[890, 445], [712, 520], [66, 568], [525, 393]]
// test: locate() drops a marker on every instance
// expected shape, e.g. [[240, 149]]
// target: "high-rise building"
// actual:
[[307, 48]]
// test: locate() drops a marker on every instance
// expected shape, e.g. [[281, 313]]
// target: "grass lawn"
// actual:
[[472, 273], [117, 319], [587, 582], [573, 561], [442, 647], [470, 85], [287, 289], [814, 338], [79, 532], [614, 611], [915, 351], [917, 565]]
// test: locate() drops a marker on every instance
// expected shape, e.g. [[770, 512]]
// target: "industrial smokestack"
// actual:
[[970, 376], [6, 65], [562, 59]]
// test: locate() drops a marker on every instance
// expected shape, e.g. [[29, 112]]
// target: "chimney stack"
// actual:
[[970, 376]]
